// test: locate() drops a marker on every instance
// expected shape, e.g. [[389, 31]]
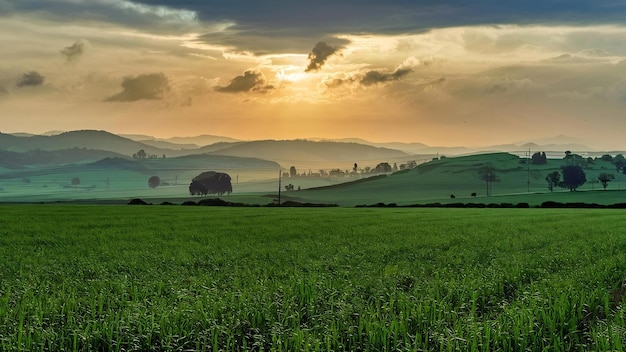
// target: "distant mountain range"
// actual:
[[180, 142], [327, 154], [74, 147]]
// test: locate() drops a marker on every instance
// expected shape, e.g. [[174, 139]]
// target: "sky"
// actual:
[[446, 73]]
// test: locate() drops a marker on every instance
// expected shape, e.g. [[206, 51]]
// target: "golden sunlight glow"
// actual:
[[291, 77]]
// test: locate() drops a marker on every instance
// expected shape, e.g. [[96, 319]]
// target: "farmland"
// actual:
[[116, 278]]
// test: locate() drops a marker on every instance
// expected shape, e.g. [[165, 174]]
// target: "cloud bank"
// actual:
[[374, 77]]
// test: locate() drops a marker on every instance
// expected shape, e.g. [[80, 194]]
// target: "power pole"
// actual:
[[528, 174], [280, 176]]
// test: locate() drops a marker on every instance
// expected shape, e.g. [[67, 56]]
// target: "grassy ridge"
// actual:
[[179, 278]]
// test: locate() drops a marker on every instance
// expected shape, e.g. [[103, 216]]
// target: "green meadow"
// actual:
[[256, 182], [171, 278]]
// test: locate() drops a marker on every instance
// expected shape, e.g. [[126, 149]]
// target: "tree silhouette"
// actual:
[[539, 158], [293, 172], [605, 178], [573, 177], [140, 155], [619, 162], [553, 179], [487, 173], [382, 168], [211, 182], [154, 182]]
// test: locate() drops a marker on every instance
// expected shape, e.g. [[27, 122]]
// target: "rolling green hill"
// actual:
[[437, 180], [119, 178], [431, 182]]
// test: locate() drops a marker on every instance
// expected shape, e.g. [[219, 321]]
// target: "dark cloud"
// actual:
[[368, 78], [375, 76], [250, 81], [337, 82], [74, 51], [280, 19], [276, 24], [147, 86], [30, 79], [318, 56]]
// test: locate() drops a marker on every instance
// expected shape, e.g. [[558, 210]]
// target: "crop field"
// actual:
[[172, 278]]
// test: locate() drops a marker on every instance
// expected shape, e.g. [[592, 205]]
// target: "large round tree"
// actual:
[[573, 177], [154, 182]]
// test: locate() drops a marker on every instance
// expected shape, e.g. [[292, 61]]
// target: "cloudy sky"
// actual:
[[438, 72]]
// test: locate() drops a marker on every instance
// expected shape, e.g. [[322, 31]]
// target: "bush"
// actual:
[[137, 201]]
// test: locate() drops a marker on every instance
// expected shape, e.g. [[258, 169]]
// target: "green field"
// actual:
[[122, 278], [437, 180], [256, 182]]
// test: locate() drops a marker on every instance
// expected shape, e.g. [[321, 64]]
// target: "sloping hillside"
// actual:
[[89, 139], [437, 180], [125, 178], [45, 158]]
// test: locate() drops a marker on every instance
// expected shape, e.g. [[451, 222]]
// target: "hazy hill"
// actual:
[[300, 152], [16, 160], [181, 142], [89, 139], [185, 163], [559, 144], [410, 148], [168, 145], [135, 172], [201, 140]]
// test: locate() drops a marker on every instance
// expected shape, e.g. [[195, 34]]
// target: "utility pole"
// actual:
[[528, 174], [280, 176]]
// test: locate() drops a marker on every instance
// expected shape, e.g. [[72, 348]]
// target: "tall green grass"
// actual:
[[121, 278]]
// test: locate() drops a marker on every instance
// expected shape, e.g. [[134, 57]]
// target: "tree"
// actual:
[[539, 159], [140, 155], [605, 178], [573, 177], [293, 172], [619, 162], [575, 159], [210, 182], [487, 173], [355, 168], [606, 157], [154, 182], [382, 168], [553, 179]]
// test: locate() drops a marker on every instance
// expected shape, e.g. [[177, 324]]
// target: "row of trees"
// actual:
[[574, 177], [572, 174], [141, 155], [378, 169]]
